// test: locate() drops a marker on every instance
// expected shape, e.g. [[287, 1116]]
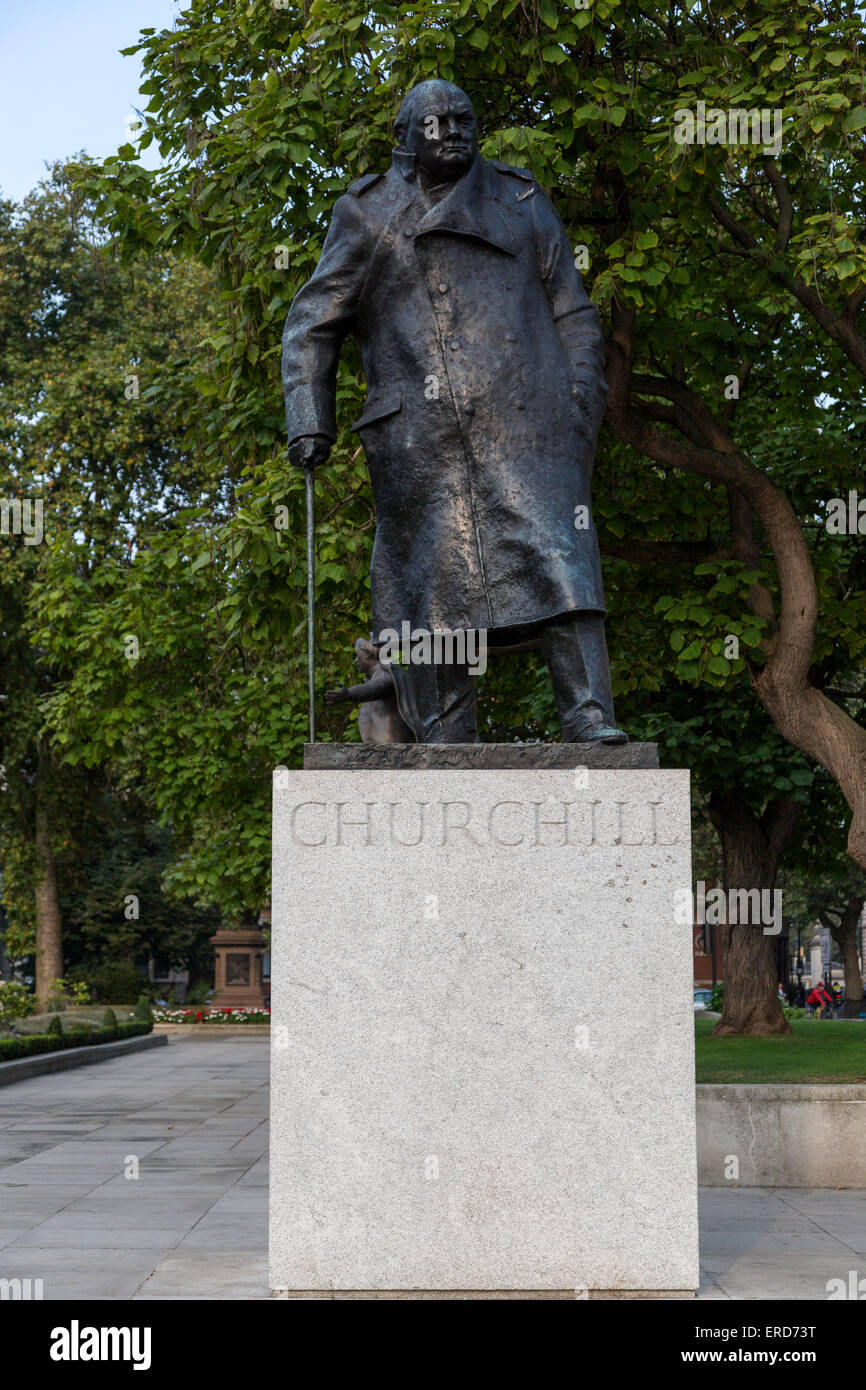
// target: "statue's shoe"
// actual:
[[599, 733]]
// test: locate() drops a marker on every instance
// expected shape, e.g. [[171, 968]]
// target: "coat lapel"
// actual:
[[470, 210]]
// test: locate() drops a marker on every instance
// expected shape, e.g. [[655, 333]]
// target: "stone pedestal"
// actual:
[[238, 959], [483, 1057]]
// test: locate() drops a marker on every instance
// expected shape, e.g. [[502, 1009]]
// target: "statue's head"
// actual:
[[366, 656], [437, 123]]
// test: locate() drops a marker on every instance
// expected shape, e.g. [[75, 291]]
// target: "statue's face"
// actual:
[[443, 135]]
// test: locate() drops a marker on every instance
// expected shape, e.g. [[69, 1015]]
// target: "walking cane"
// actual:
[[311, 598]]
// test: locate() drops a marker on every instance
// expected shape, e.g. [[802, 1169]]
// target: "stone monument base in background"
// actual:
[[482, 1025], [238, 956]]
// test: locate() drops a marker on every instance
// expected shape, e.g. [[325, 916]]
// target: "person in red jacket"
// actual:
[[819, 999]]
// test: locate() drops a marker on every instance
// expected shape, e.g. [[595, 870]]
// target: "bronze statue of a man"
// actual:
[[484, 362]]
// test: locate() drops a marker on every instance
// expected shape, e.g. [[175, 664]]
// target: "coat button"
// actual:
[[454, 345], [470, 409], [443, 288], [408, 231], [511, 337], [519, 405]]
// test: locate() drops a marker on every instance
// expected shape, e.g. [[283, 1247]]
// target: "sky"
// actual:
[[63, 85]]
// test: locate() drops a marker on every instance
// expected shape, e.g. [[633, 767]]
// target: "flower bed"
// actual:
[[13, 1048], [211, 1015]]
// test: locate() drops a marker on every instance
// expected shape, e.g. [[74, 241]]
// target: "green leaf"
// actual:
[[855, 119], [628, 162], [802, 776]]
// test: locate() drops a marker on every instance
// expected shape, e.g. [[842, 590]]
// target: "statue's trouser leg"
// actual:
[[575, 650], [445, 700]]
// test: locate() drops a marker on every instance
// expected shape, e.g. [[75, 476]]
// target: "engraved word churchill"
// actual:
[[509, 823]]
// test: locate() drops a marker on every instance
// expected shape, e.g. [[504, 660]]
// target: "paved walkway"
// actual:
[[193, 1224]]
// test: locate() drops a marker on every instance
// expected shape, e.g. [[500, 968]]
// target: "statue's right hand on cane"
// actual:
[[309, 451]]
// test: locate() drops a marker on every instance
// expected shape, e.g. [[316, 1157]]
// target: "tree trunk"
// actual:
[[845, 935], [751, 850], [49, 948]]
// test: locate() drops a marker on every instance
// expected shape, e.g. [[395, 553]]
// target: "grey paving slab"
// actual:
[[10, 1234], [87, 1176], [214, 1274], [709, 1289], [848, 1232], [777, 1277], [123, 1196], [49, 1261], [226, 1124], [239, 1198], [184, 1178], [795, 1223], [96, 1237], [814, 1201], [747, 1198], [70, 1154], [42, 1200], [142, 1130], [254, 1177], [246, 1236], [743, 1240]]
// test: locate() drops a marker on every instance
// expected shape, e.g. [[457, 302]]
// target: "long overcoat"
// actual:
[[484, 363]]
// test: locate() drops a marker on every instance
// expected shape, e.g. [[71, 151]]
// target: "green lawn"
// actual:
[[817, 1051]]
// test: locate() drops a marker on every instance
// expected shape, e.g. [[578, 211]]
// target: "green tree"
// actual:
[[708, 262], [84, 450]]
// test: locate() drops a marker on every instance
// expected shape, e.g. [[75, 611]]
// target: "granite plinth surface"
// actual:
[[461, 1100]]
